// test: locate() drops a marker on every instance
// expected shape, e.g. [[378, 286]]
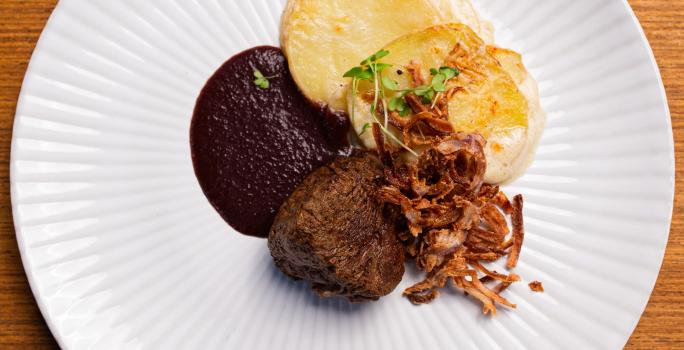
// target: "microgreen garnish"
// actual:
[[439, 79], [370, 70], [261, 81], [438, 83], [428, 93], [398, 104], [449, 72], [390, 84], [365, 128], [374, 57]]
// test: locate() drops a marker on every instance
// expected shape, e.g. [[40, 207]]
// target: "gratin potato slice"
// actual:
[[511, 61], [322, 39], [489, 99]]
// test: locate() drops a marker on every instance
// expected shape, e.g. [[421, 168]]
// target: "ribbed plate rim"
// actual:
[[21, 101]]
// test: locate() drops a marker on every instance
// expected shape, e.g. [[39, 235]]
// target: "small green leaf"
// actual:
[[449, 72], [430, 95], [365, 75], [433, 71], [352, 73], [402, 105], [438, 82], [375, 57], [427, 98], [368, 60], [439, 87], [397, 104], [365, 128], [262, 83], [390, 84], [380, 54], [392, 105], [379, 67], [421, 90], [438, 79]]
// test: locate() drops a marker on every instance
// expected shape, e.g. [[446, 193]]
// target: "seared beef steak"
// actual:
[[334, 232]]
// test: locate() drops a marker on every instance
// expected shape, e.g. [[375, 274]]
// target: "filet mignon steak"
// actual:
[[334, 232]]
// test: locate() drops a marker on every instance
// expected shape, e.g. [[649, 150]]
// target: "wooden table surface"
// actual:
[[22, 326]]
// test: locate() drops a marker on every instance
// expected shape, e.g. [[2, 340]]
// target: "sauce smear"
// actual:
[[251, 147]]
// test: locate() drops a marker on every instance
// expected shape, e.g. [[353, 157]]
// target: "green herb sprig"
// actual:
[[370, 70], [365, 128], [261, 81], [428, 93]]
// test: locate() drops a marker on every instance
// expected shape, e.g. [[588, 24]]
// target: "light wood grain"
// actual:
[[662, 325], [22, 327]]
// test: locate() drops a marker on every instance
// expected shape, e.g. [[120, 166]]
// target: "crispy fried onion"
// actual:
[[536, 286], [428, 120], [454, 222]]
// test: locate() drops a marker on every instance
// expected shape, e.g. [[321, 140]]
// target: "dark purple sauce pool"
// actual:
[[251, 147]]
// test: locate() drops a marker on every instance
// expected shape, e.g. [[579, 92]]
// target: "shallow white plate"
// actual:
[[123, 251]]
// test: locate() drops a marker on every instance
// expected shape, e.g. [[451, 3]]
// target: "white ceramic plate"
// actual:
[[123, 251]]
